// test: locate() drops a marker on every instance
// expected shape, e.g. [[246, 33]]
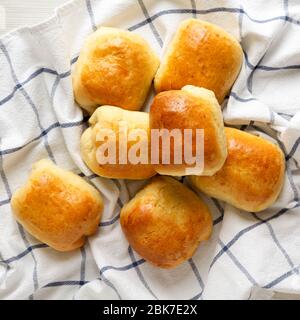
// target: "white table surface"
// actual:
[[21, 13]]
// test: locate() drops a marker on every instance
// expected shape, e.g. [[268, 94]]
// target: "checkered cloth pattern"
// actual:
[[39, 119]]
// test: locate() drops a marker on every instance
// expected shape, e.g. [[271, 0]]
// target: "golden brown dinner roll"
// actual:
[[252, 175], [200, 54], [165, 222], [115, 119], [114, 67], [57, 207], [190, 108]]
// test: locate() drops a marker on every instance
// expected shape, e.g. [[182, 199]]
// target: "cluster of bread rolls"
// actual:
[[165, 221]]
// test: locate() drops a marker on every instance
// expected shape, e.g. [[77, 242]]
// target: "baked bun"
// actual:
[[200, 54], [112, 119], [165, 222], [190, 108], [115, 67], [57, 207], [252, 176]]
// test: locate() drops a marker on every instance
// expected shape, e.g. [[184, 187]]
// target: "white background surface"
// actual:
[[22, 13]]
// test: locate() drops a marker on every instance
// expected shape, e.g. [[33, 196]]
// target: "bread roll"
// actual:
[[57, 207], [252, 176], [203, 55], [165, 222], [114, 118], [114, 67], [190, 108]]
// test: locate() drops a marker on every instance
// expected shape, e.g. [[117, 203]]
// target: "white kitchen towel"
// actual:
[[39, 119]]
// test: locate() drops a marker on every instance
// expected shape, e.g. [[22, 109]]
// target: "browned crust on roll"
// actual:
[[252, 176], [190, 108], [203, 55], [109, 117], [115, 67], [165, 222], [57, 207]]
